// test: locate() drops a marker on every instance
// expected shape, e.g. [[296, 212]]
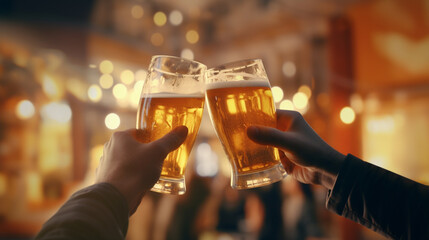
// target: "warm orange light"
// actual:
[[25, 109], [187, 53], [120, 91], [306, 90], [106, 67], [127, 76], [137, 11], [347, 115], [106, 81], [112, 121], [277, 94], [176, 17], [300, 100], [157, 39], [95, 93], [159, 19], [192, 36], [286, 105]]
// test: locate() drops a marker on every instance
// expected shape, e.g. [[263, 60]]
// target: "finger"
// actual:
[[287, 164], [286, 118], [171, 140], [273, 137]]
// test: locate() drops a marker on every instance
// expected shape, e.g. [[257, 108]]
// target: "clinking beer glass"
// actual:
[[172, 95], [239, 95]]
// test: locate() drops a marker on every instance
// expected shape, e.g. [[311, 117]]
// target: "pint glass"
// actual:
[[172, 95], [239, 95]]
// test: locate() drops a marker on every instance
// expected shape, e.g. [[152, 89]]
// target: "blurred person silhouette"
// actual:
[[383, 201], [127, 170]]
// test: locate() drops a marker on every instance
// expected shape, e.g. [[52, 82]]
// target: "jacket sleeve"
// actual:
[[96, 212], [381, 200]]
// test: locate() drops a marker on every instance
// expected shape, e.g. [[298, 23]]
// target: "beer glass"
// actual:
[[238, 95], [172, 95]]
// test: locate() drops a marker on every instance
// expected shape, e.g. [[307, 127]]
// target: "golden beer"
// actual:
[[234, 106], [159, 113]]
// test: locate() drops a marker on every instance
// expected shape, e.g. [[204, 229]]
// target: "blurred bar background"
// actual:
[[71, 73]]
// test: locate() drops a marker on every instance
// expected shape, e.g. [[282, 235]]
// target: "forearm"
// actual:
[[95, 212], [381, 200]]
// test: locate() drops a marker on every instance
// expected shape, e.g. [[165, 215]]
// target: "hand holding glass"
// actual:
[[239, 95], [172, 95]]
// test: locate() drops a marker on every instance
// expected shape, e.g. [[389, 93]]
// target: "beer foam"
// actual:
[[173, 95], [241, 83]]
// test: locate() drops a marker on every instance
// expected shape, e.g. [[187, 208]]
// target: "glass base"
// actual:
[[258, 179], [170, 186]]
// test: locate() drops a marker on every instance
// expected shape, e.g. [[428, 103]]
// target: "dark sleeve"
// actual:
[[381, 200], [96, 212]]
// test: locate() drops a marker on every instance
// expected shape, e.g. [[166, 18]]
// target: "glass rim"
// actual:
[[200, 64], [236, 65]]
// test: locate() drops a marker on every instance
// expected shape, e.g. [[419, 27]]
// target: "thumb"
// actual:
[[273, 137], [171, 140]]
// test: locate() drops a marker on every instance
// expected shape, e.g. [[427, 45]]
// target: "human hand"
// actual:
[[305, 155], [133, 166]]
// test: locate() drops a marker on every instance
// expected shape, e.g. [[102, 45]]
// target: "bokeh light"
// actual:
[[127, 76], [176, 17], [141, 75], [106, 81], [289, 69], [356, 103], [277, 93], [137, 11], [187, 53], [286, 105], [95, 93], [300, 100], [192, 36], [159, 19], [120, 91], [347, 115], [106, 67], [112, 121], [306, 90], [56, 111], [25, 109], [157, 39]]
